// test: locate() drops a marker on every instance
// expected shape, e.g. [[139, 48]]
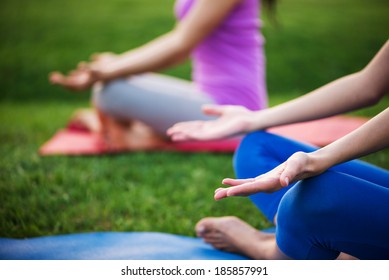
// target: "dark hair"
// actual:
[[270, 5]]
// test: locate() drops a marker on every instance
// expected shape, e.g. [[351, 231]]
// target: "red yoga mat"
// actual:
[[321, 132]]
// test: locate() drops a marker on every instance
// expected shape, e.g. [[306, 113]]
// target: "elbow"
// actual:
[[182, 51], [375, 98], [374, 91], [182, 45]]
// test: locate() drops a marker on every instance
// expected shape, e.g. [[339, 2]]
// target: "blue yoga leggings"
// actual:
[[345, 209]]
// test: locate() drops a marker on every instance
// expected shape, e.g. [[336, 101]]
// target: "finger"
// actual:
[[244, 189], [284, 180], [82, 65], [96, 56], [219, 189], [71, 82], [75, 73], [266, 183], [187, 130], [291, 170], [220, 193], [179, 137], [180, 127], [241, 190], [56, 77], [212, 110], [52, 76], [177, 131], [187, 125], [236, 182]]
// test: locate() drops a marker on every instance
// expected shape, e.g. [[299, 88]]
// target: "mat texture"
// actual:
[[112, 246], [70, 141], [320, 132]]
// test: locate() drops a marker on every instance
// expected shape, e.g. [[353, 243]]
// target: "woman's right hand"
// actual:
[[231, 120]]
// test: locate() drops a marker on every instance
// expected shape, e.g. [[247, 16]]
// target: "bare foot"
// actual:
[[130, 136], [344, 256], [234, 235], [85, 119], [142, 137], [117, 135]]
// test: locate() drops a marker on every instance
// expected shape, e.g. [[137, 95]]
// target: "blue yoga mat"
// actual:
[[112, 246]]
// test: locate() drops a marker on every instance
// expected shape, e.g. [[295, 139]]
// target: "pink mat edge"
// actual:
[[349, 123]]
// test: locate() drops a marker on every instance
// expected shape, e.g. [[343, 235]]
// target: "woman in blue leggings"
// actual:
[[324, 203]]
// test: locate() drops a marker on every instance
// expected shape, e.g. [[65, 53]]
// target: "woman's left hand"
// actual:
[[299, 166], [76, 80]]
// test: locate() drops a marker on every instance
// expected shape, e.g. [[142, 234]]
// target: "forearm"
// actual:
[[343, 95], [351, 92], [369, 138], [161, 53], [170, 49]]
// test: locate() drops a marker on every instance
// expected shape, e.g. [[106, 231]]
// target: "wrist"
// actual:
[[106, 69], [256, 120], [318, 161], [104, 75], [249, 122]]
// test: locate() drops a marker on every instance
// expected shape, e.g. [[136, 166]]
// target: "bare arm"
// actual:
[[369, 138], [349, 93], [173, 47], [354, 91]]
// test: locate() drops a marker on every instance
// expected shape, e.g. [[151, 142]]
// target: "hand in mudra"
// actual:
[[77, 80], [231, 120], [85, 75], [297, 167]]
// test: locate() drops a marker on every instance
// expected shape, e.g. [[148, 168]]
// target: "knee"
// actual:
[[307, 201], [253, 148], [107, 97], [303, 213], [97, 96], [256, 138]]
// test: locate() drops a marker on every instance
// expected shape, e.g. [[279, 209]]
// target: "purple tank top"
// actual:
[[229, 64]]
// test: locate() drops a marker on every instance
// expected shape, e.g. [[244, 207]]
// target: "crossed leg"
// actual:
[[134, 113], [233, 234]]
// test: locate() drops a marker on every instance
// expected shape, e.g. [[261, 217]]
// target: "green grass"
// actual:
[[314, 43], [153, 191]]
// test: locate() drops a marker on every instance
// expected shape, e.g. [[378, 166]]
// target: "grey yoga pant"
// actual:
[[157, 100]]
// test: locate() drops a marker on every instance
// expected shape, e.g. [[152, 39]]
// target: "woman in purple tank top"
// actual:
[[222, 39]]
